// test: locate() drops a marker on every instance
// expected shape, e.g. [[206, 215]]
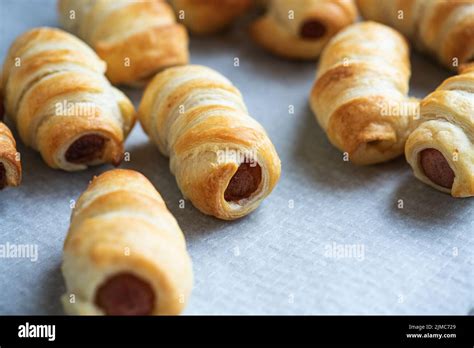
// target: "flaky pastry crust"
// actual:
[[121, 224], [57, 94], [10, 164], [135, 38], [199, 119], [205, 17], [360, 93], [447, 125], [442, 28], [282, 29]]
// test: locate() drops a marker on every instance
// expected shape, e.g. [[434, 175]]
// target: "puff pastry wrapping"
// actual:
[[360, 93], [301, 29], [124, 253], [222, 158], [10, 165], [446, 132], [444, 29], [136, 38], [209, 16], [62, 104]]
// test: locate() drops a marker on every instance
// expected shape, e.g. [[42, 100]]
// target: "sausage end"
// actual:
[[3, 176], [436, 168], [125, 294], [86, 149], [244, 182], [312, 29]]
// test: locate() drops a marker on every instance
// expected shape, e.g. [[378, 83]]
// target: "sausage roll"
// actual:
[[222, 158], [136, 38], [301, 29], [445, 29], [209, 16], [441, 149], [124, 253], [62, 104], [360, 94], [10, 166]]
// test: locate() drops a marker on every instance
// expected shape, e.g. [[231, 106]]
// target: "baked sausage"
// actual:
[[301, 29], [437, 168], [125, 294], [223, 160], [61, 102], [125, 253], [86, 149], [441, 148], [312, 30], [3, 176], [244, 182]]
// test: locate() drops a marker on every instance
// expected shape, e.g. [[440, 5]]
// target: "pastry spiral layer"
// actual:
[[300, 29], [62, 104], [222, 158], [125, 253], [10, 165], [441, 149], [209, 16], [445, 29], [136, 38], [360, 94]]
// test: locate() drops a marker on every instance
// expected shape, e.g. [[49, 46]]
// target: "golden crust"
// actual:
[[279, 32], [466, 68], [59, 94], [9, 157], [445, 29], [137, 39], [360, 95], [121, 224], [204, 17], [447, 125], [151, 52], [198, 119]]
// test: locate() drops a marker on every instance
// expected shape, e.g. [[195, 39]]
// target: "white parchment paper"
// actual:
[[330, 239]]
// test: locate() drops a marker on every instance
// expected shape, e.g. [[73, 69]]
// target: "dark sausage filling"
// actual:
[[437, 168], [125, 294], [1, 109], [86, 149], [312, 29], [244, 182], [3, 176]]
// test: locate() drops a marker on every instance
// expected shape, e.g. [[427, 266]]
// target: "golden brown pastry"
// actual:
[[443, 28], [2, 110], [136, 38], [10, 165], [209, 16], [125, 253], [441, 149], [222, 158], [62, 104], [360, 94], [300, 29]]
